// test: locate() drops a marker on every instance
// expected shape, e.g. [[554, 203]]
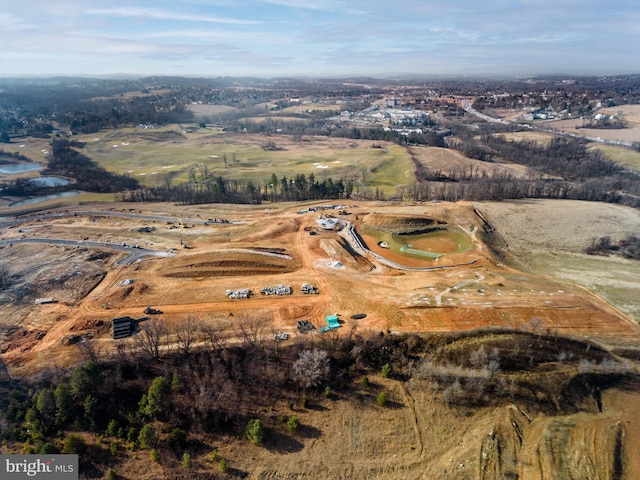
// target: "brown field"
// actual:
[[631, 113], [202, 110], [628, 135], [549, 236], [538, 137], [445, 160]]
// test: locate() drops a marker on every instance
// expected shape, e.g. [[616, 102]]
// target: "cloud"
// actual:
[[11, 22], [280, 37], [150, 13]]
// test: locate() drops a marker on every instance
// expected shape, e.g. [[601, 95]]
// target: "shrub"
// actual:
[[111, 475], [113, 448], [327, 392], [74, 444], [132, 434], [255, 431], [112, 428], [48, 448], [154, 455], [386, 370], [214, 456], [364, 382], [186, 461], [293, 424], [147, 436], [304, 401], [223, 466], [382, 399], [177, 438]]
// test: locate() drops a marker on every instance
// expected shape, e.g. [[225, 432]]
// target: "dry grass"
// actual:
[[538, 137], [446, 160], [629, 135], [549, 236]]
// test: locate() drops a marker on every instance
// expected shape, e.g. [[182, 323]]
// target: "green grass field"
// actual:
[[623, 155], [160, 155]]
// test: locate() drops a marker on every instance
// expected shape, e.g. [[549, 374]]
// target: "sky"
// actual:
[[319, 38]]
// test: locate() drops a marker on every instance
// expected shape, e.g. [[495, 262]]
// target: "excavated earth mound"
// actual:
[[401, 224], [229, 263]]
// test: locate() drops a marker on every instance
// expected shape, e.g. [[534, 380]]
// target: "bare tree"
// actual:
[[214, 335], [88, 351], [186, 334], [311, 367], [252, 329], [152, 337], [4, 371]]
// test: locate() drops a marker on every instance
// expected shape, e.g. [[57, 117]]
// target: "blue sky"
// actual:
[[270, 38]]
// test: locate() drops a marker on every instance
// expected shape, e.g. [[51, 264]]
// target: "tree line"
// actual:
[[563, 169], [89, 176], [212, 189]]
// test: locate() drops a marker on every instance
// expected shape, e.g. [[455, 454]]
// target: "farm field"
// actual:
[[446, 160], [538, 137], [629, 135]]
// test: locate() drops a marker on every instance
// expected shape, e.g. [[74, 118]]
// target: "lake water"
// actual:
[[44, 198], [20, 168], [50, 181]]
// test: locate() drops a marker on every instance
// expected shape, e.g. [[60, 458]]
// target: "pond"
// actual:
[[49, 181], [20, 168], [44, 198]]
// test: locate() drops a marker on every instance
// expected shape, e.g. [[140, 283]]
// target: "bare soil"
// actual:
[[264, 247]]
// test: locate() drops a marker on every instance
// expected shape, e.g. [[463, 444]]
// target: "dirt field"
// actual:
[[263, 247]]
